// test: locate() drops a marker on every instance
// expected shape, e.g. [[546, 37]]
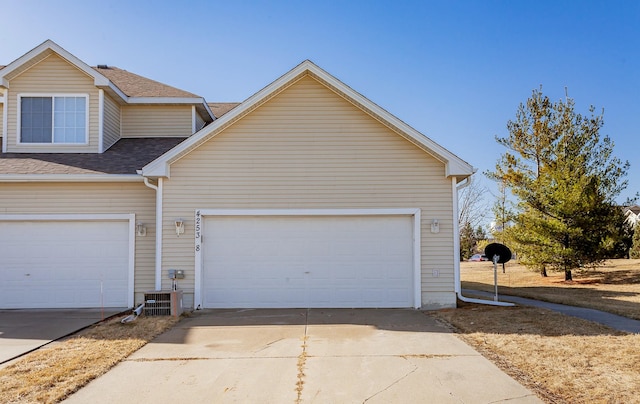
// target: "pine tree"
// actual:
[[467, 241], [635, 246], [565, 178]]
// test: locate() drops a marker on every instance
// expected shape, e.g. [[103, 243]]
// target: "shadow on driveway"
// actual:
[[22, 330]]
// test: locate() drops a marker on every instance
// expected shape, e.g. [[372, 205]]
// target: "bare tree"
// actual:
[[471, 207]]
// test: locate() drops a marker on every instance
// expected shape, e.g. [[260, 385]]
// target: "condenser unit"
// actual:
[[163, 303]]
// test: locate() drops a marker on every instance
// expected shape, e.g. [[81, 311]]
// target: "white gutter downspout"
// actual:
[[5, 140], [456, 250], [158, 189]]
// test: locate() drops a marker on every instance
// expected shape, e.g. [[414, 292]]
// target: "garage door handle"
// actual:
[[307, 272]]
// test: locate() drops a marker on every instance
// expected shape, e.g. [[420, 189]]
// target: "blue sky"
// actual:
[[454, 70]]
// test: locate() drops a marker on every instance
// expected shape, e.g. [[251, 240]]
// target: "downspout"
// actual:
[[158, 254], [101, 121], [5, 140], [456, 250]]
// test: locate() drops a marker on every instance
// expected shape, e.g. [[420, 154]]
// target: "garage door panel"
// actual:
[[324, 261], [64, 264]]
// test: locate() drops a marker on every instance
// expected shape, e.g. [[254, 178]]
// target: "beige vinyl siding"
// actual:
[[29, 63], [199, 122], [89, 198], [111, 122], [308, 148], [52, 75], [156, 121]]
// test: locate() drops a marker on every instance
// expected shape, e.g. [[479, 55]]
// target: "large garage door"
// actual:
[[64, 264], [317, 261]]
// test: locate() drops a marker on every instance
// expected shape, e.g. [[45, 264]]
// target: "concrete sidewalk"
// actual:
[[611, 320], [300, 355]]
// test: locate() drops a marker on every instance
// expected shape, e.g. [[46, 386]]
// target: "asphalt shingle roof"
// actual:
[[125, 157], [134, 85], [221, 108]]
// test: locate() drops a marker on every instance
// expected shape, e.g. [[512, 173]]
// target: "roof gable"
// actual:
[[454, 165], [42, 51], [128, 88]]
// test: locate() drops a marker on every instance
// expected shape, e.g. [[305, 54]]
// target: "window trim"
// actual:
[[52, 96]]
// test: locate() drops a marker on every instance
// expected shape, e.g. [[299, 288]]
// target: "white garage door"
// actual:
[[64, 264], [317, 261]]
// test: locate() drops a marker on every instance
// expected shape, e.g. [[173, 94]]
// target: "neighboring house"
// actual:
[[305, 195], [632, 214]]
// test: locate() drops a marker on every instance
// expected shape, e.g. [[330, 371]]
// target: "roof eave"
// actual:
[[70, 178], [165, 100]]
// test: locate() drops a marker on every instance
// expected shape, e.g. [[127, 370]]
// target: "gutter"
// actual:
[[70, 178], [158, 254], [456, 251]]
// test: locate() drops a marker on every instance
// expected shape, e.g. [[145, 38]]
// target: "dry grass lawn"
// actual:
[[52, 373], [563, 359], [614, 288]]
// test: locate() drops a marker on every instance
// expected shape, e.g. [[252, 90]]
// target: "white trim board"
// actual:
[[199, 228]]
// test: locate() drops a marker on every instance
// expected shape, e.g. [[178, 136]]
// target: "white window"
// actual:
[[53, 119]]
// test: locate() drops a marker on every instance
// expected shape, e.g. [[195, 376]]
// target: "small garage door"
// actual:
[[64, 264], [317, 261]]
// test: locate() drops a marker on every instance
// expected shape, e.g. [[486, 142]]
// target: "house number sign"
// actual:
[[198, 230]]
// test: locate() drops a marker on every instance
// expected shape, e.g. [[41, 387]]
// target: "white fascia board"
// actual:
[[454, 165], [71, 178], [98, 79], [165, 100], [119, 92], [208, 109], [460, 170], [160, 166], [197, 102]]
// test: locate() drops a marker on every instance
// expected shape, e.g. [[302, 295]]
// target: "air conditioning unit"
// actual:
[[163, 303]]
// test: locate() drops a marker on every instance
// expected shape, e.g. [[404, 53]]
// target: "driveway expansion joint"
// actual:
[[302, 359]]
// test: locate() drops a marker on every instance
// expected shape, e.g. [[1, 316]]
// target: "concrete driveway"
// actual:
[[316, 355], [22, 331]]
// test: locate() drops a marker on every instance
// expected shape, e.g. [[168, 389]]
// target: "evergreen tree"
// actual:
[[635, 246], [467, 241], [564, 177]]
